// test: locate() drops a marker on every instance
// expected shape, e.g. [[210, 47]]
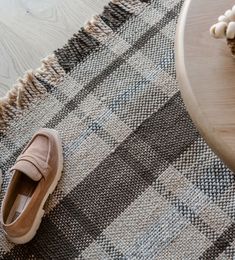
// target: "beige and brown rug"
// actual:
[[139, 182]]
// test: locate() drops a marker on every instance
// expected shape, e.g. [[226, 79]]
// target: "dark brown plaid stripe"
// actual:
[[220, 244], [82, 44]]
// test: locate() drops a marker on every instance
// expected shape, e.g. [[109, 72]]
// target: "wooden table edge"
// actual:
[[220, 148]]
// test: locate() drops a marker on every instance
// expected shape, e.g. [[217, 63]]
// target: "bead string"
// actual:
[[225, 28]]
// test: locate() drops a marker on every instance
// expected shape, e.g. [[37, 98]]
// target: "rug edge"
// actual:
[[36, 83]]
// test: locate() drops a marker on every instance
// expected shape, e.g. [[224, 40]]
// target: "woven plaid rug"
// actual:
[[139, 182]]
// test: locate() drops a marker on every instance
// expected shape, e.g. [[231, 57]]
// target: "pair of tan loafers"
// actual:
[[34, 177]]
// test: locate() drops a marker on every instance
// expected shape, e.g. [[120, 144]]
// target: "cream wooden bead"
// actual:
[[233, 10], [223, 18], [218, 30], [232, 14], [229, 15], [230, 33]]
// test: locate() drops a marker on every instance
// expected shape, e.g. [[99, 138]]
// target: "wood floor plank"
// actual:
[[31, 29]]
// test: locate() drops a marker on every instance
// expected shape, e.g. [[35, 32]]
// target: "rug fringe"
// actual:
[[29, 88]]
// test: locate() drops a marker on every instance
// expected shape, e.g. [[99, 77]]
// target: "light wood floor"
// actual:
[[31, 29]]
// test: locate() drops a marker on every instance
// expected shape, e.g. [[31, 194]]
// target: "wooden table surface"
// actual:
[[32, 29], [206, 73]]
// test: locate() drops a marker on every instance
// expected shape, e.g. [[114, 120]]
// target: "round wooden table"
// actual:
[[206, 74]]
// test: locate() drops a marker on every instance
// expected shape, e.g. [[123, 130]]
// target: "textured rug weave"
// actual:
[[139, 182]]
